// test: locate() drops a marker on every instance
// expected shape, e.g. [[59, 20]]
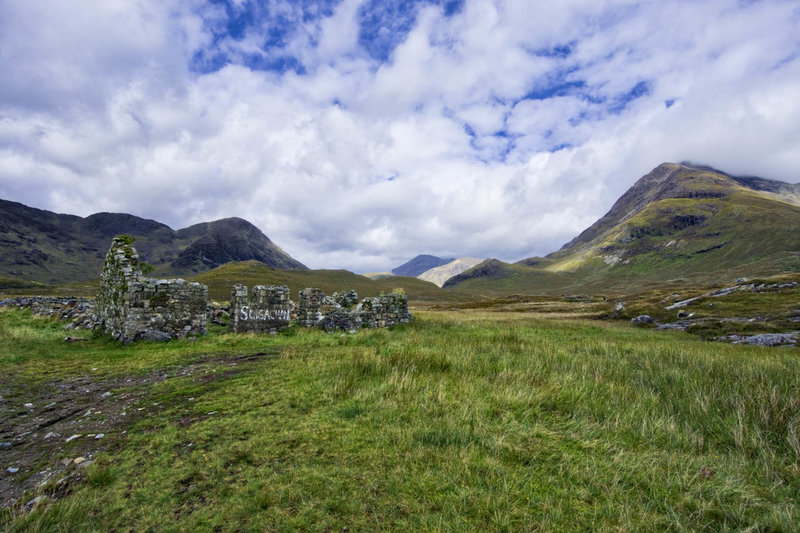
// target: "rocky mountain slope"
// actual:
[[38, 245], [420, 265], [679, 222], [441, 274]]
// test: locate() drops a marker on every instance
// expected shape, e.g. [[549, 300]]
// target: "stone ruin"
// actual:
[[269, 309], [383, 311], [263, 310], [312, 306], [377, 312], [131, 306]]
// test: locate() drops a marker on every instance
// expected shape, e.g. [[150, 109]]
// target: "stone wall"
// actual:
[[383, 311], [312, 306], [131, 307], [77, 312], [378, 312], [266, 309]]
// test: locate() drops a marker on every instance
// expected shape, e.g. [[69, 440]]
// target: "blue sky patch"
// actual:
[[384, 25], [559, 88], [561, 51], [621, 102]]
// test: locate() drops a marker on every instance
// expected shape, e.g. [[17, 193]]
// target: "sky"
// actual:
[[358, 134]]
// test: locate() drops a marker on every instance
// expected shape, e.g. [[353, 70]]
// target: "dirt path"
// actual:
[[51, 432]]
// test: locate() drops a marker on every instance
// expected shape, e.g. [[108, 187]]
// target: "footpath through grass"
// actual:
[[462, 421]]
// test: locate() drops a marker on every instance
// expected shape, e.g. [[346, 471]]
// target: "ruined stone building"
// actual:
[[131, 306]]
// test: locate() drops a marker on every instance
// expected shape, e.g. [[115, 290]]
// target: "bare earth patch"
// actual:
[[51, 432]]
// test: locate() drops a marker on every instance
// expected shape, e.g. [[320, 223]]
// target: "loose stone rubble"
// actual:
[[132, 307], [76, 312], [764, 339]]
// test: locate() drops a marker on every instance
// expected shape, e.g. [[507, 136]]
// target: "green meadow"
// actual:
[[464, 420]]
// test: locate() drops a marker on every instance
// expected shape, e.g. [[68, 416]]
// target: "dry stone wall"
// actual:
[[383, 311], [132, 307], [312, 306], [266, 309], [378, 312]]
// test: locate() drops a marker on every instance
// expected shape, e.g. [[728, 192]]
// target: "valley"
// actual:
[[649, 365]]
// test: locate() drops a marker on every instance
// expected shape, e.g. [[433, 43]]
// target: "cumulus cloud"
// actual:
[[357, 136]]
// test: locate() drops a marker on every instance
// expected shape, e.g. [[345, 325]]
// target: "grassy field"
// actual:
[[464, 420]]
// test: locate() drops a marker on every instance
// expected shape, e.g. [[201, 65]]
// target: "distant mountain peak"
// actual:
[[441, 274], [420, 264], [43, 246], [678, 222]]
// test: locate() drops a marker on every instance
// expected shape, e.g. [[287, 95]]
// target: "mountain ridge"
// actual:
[[680, 221], [43, 246], [420, 264]]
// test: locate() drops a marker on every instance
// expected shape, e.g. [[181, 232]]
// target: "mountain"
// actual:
[[38, 245], [419, 265], [679, 222], [441, 274]]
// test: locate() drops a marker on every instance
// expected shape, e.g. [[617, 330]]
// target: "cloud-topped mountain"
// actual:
[[44, 246], [680, 221]]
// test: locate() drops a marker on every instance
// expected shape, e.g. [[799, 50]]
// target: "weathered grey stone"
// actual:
[[346, 299], [153, 335], [642, 319], [377, 312], [132, 307], [267, 309], [768, 339], [384, 311], [313, 306]]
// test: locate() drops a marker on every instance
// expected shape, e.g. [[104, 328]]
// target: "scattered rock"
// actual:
[[153, 335], [74, 339], [71, 438], [682, 325], [682, 303], [12, 470], [99, 436], [105, 395], [642, 319], [769, 339], [28, 406], [33, 503], [52, 435], [764, 339], [78, 460]]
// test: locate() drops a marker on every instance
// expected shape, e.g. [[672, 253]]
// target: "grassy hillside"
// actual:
[[221, 280], [678, 226], [462, 421]]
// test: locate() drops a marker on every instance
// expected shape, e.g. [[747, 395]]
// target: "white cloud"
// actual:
[[359, 164]]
